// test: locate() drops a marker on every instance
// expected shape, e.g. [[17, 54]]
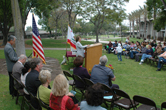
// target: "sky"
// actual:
[[131, 6]]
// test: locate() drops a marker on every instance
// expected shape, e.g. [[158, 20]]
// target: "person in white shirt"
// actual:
[[25, 72], [119, 52]]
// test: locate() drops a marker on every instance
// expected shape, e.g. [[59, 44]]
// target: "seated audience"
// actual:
[[115, 44], [94, 98], [43, 92], [157, 51], [110, 46], [127, 50], [164, 46], [154, 44], [106, 47], [132, 45], [147, 44], [125, 45], [32, 80], [102, 74], [80, 71], [149, 53], [143, 50], [135, 50], [162, 59], [25, 71], [17, 69], [58, 98]]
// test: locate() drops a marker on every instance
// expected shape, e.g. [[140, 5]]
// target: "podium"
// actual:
[[92, 55]]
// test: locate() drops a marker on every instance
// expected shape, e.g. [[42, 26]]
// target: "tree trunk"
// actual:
[[20, 46], [145, 26], [97, 37], [165, 34], [163, 3], [139, 27], [5, 32], [130, 28], [5, 38], [133, 28], [154, 31]]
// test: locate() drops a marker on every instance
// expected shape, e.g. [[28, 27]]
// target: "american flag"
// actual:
[[37, 44]]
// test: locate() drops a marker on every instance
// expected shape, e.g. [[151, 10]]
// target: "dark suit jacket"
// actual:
[[11, 56], [32, 82], [17, 71]]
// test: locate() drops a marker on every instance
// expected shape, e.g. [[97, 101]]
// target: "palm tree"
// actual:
[[133, 20], [144, 12], [130, 19], [137, 18]]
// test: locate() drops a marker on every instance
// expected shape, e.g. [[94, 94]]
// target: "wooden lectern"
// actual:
[[92, 55]]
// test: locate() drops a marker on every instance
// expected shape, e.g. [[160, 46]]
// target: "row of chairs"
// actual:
[[122, 103], [27, 98]]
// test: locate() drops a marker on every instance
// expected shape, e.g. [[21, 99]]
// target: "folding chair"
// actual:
[[68, 75], [25, 100], [163, 105], [81, 89], [36, 105], [42, 104], [109, 92], [20, 91], [147, 104], [125, 102], [88, 82]]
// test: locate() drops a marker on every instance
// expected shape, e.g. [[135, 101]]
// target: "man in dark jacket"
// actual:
[[32, 80], [11, 59]]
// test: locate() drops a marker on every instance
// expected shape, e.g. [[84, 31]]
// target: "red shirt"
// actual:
[[110, 45], [62, 103]]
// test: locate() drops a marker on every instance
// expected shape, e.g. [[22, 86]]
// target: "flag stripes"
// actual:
[[37, 44]]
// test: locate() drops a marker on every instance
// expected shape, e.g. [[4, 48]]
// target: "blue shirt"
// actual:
[[84, 106], [115, 44], [149, 51], [101, 74]]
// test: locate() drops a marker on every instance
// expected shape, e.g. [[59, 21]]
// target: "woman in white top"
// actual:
[[25, 72], [79, 47]]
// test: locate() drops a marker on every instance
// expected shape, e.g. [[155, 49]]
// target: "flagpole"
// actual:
[[66, 40]]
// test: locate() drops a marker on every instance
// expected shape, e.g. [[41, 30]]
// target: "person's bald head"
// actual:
[[22, 58]]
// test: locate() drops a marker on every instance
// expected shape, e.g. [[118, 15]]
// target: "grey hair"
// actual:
[[103, 60], [34, 62], [11, 37], [22, 56], [44, 76]]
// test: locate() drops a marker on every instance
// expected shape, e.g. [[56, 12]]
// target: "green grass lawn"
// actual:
[[132, 78], [56, 43]]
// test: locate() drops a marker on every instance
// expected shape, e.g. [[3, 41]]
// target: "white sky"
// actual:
[[131, 6]]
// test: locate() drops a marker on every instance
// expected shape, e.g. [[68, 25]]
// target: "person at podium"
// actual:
[[79, 47]]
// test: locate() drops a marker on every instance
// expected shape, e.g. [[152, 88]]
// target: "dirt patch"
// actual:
[[52, 65]]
